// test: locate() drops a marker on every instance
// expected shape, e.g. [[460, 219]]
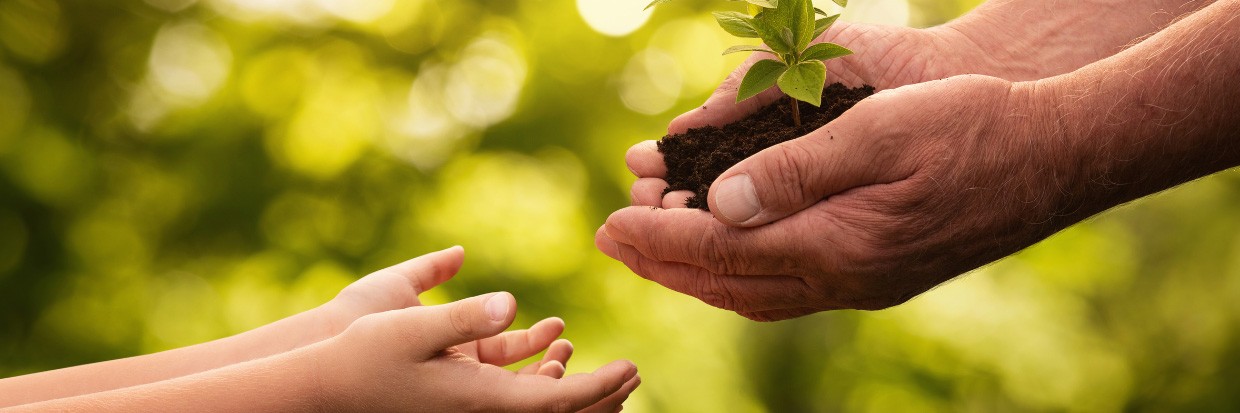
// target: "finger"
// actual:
[[695, 237], [648, 192], [730, 292], [427, 271], [615, 402], [442, 326], [645, 160], [721, 108], [552, 369], [779, 315], [677, 199], [561, 350], [572, 393], [791, 176], [513, 346]]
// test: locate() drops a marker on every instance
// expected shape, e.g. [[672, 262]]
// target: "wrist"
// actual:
[[1056, 161], [322, 378]]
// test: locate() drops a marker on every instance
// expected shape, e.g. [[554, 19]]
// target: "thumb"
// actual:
[[463, 321], [789, 177]]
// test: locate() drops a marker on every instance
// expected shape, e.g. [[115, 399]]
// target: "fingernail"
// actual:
[[736, 199], [497, 306], [614, 233]]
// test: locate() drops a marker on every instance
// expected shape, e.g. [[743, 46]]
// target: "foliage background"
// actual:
[[173, 171]]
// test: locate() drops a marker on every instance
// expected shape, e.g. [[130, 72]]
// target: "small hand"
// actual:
[[398, 287], [419, 359], [911, 187], [391, 288]]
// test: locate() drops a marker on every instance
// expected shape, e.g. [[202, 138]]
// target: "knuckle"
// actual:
[[712, 291], [787, 173], [461, 319], [364, 326], [719, 256]]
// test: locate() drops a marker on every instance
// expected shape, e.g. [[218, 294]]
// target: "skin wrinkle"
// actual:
[[1081, 135]]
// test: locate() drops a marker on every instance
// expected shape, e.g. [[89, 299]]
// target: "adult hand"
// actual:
[[421, 359], [909, 188], [994, 39], [892, 57]]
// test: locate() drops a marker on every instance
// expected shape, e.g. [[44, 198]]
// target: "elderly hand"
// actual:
[[910, 188]]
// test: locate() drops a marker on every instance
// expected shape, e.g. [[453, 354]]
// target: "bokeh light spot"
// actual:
[[484, 85], [189, 61], [357, 11], [614, 17], [49, 167], [651, 82], [32, 29], [524, 213]]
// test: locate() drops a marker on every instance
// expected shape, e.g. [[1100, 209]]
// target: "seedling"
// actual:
[[786, 27]]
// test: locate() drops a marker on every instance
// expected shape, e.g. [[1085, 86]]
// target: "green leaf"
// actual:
[[746, 48], [804, 82], [760, 77], [823, 24], [824, 51], [655, 3], [736, 24], [768, 4], [797, 16], [787, 36], [820, 11], [764, 4], [842, 3]]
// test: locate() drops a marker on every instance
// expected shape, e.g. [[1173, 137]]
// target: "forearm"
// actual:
[[278, 337], [1032, 39], [1153, 116], [285, 383]]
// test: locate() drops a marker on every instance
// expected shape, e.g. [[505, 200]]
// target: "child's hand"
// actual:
[[445, 358], [390, 288], [398, 287]]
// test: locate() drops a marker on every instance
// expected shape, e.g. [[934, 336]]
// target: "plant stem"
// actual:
[[796, 112]]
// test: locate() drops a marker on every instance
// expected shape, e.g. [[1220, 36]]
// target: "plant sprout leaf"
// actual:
[[736, 24], [804, 82], [820, 11], [760, 77], [787, 36], [824, 51], [655, 3], [823, 24], [796, 16], [766, 4], [842, 3], [747, 48]]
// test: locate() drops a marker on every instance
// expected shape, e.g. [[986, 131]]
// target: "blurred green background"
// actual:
[[173, 171]]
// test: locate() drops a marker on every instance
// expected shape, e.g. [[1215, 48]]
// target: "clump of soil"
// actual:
[[697, 157]]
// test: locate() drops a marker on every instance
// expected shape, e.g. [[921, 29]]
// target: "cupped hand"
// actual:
[[910, 188], [420, 359], [398, 287], [886, 57]]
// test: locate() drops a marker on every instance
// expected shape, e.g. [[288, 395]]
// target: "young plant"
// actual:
[[786, 27]]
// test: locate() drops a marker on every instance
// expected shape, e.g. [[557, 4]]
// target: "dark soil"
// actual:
[[697, 157]]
